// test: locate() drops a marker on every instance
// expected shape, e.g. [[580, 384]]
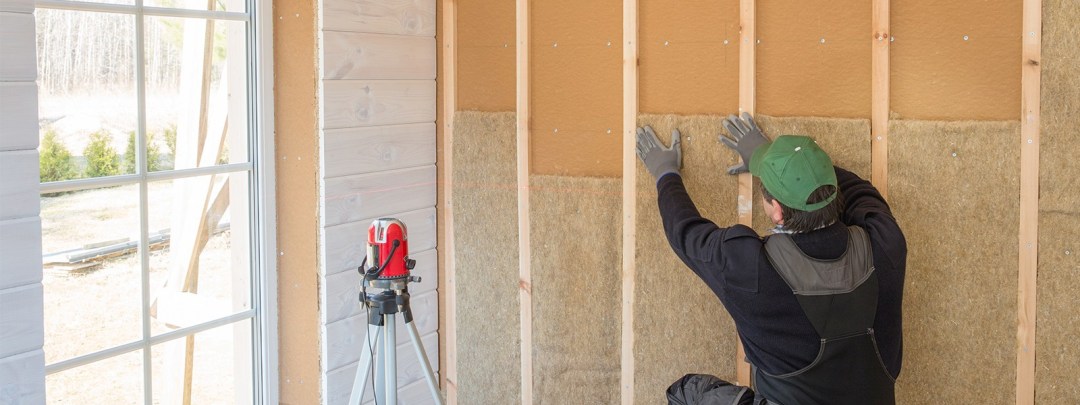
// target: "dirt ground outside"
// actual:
[[91, 309]]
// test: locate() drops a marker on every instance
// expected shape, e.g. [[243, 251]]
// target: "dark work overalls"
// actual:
[[840, 298]]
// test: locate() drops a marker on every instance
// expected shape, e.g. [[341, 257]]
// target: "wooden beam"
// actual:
[[747, 101], [524, 248], [629, 203], [449, 269], [879, 115], [1031, 78]]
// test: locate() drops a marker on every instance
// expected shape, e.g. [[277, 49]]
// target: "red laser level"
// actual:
[[388, 249]]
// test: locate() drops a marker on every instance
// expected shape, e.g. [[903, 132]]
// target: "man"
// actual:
[[817, 304]]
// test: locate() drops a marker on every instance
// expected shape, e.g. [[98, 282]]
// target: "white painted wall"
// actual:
[[377, 142], [22, 330]]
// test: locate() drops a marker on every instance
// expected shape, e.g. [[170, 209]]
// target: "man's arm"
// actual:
[[695, 239], [864, 206]]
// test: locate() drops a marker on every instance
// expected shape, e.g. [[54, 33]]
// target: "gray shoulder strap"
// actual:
[[809, 276]]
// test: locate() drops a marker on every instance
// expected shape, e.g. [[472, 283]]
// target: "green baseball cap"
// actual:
[[791, 168]]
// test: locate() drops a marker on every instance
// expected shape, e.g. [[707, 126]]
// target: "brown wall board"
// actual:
[[937, 74], [575, 67], [688, 56], [954, 191], [576, 277], [486, 255], [680, 327], [1057, 362], [798, 74], [486, 58], [847, 141], [296, 141]]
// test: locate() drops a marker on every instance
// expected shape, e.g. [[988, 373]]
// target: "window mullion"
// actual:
[[141, 168]]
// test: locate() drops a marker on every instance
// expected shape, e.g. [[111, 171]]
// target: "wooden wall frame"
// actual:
[[524, 239], [448, 42], [879, 88], [1031, 79], [881, 41], [747, 103], [629, 208]]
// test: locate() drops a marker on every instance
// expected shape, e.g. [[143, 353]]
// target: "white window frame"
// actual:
[[263, 313]]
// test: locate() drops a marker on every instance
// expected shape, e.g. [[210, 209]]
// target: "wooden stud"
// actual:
[[1031, 78], [449, 104], [879, 116], [524, 249], [629, 205], [747, 101]]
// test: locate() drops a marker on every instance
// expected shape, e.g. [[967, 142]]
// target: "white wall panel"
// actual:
[[358, 103], [18, 48], [352, 55], [370, 149], [18, 115], [412, 389], [20, 252], [22, 379], [343, 289], [374, 195], [405, 17], [344, 338], [345, 245], [17, 6], [19, 197], [21, 320]]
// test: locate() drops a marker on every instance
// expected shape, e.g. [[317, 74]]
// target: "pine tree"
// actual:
[[55, 163], [151, 155], [101, 158]]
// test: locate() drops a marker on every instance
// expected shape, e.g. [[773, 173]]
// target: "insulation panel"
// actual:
[[1057, 361], [576, 278], [954, 191], [680, 327], [486, 256]]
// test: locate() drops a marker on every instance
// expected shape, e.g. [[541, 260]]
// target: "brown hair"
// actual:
[[805, 221]]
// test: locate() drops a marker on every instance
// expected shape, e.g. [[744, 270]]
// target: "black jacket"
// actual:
[[777, 336]]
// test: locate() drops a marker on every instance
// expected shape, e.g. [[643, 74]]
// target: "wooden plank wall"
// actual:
[[22, 333], [377, 159]]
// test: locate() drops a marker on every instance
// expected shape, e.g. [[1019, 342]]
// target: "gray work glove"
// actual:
[[745, 137], [658, 159]]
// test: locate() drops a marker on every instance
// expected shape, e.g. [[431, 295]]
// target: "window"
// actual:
[[156, 202]]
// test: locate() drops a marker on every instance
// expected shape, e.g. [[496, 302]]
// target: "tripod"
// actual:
[[381, 325]]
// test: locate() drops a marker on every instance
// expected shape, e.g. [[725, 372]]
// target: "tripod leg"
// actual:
[[380, 366], [363, 368], [389, 345], [422, 355]]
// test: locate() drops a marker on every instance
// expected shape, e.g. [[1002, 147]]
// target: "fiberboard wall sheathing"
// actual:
[[576, 241], [486, 50], [955, 60], [688, 56], [847, 141], [575, 92], [954, 189], [680, 327], [813, 58], [486, 255], [1057, 362]]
